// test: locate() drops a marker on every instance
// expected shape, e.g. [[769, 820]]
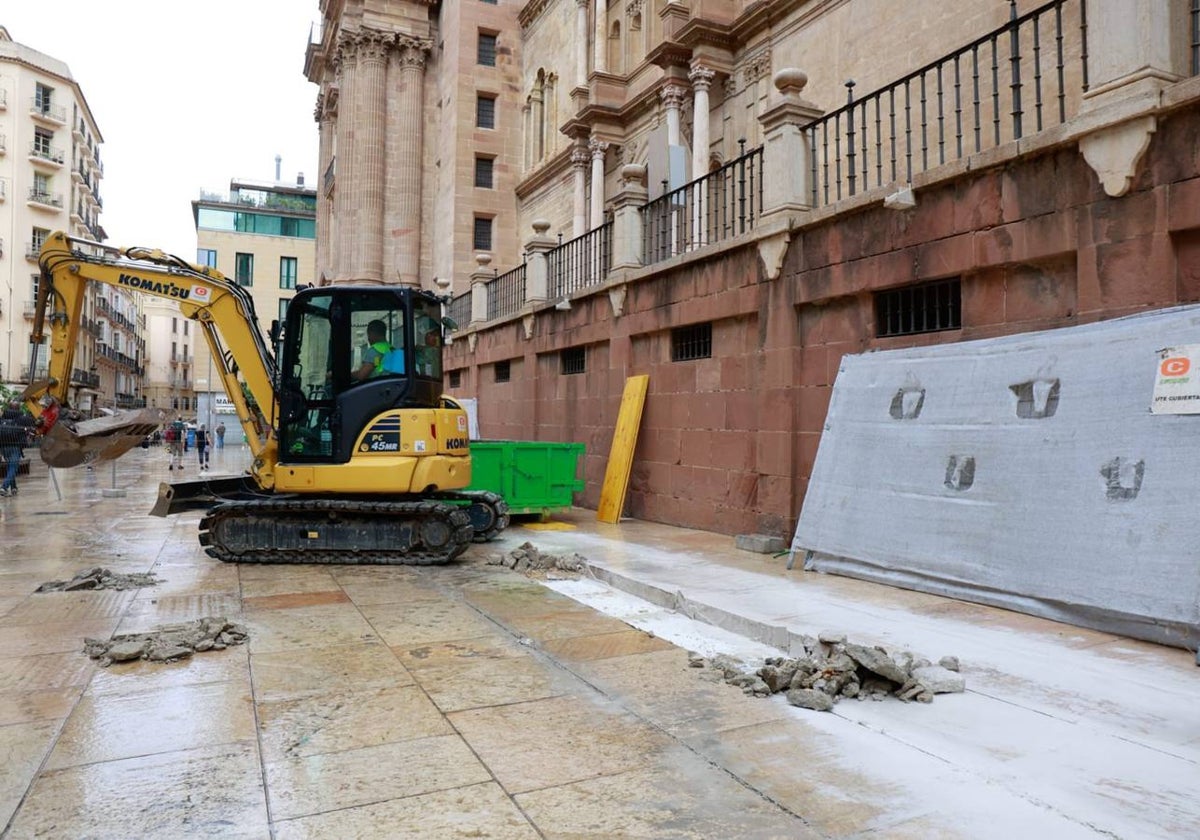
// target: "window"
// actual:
[[185, 327], [485, 53], [287, 272], [39, 238], [572, 360], [283, 307], [244, 269], [455, 379], [485, 111], [927, 307], [42, 97], [694, 342], [484, 167], [174, 326], [502, 371], [483, 234], [41, 186], [489, 2], [41, 142], [206, 257]]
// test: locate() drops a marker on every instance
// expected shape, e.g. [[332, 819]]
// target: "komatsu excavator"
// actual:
[[357, 455]]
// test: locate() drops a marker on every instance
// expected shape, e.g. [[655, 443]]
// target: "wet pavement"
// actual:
[[470, 701]]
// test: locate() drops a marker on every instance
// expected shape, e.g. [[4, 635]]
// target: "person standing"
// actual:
[[175, 438], [202, 446], [221, 435], [15, 429]]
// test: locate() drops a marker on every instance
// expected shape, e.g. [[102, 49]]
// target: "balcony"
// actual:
[[3, 100], [46, 112], [49, 155], [3, 144], [33, 250], [39, 373], [3, 188], [44, 199]]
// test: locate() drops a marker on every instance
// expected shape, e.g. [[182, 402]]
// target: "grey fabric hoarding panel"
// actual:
[[1025, 471]]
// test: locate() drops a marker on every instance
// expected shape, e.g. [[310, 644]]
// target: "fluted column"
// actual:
[[403, 202], [370, 116], [579, 163], [345, 223], [581, 42], [597, 148], [327, 126], [600, 56], [701, 78]]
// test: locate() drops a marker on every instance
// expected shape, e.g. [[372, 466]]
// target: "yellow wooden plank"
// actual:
[[620, 456]]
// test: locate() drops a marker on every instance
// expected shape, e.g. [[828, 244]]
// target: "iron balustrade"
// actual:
[[41, 108], [582, 262], [506, 293], [49, 199], [1195, 27], [460, 309], [720, 205], [1022, 77]]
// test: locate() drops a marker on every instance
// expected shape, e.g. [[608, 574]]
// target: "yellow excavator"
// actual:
[[357, 455]]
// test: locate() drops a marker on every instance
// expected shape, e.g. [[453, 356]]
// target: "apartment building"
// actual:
[[261, 234], [50, 176]]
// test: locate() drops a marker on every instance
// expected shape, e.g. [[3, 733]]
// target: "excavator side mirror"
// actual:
[[449, 323]]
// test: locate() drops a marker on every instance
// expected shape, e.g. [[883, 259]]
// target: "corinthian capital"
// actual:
[[373, 45], [672, 95], [597, 148], [580, 158], [412, 52], [701, 77]]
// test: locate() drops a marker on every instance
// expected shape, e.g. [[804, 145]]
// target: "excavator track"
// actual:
[[488, 511], [421, 533]]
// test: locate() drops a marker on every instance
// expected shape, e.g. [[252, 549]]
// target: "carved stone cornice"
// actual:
[[532, 11], [547, 174], [698, 31], [759, 17], [669, 54]]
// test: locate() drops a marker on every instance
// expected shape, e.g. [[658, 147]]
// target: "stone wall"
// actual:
[[727, 443]]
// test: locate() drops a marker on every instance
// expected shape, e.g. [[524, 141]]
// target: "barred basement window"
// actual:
[[502, 371], [455, 379], [572, 360], [694, 342], [927, 307]]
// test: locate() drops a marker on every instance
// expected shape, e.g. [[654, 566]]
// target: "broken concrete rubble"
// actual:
[[528, 560], [832, 669], [169, 643], [100, 578]]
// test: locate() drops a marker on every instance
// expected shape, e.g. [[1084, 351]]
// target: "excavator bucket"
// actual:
[[71, 444]]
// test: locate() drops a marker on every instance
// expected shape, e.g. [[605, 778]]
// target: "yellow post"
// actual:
[[620, 457]]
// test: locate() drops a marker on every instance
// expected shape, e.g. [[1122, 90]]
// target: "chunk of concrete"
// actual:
[[760, 543], [940, 680]]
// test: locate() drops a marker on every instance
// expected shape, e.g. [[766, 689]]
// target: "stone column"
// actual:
[[672, 98], [701, 78], [370, 114], [600, 53], [406, 120], [597, 148], [345, 243], [537, 278], [786, 149], [480, 277], [327, 122], [581, 40], [579, 163], [537, 127], [627, 217]]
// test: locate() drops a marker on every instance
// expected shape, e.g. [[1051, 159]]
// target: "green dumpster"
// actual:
[[532, 476]]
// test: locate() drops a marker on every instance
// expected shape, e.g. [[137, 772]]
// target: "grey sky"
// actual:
[[186, 97]]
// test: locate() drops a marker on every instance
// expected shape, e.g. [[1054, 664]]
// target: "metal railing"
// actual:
[[41, 108], [1015, 80], [459, 309], [43, 152], [719, 206], [1195, 28], [49, 199], [506, 293], [582, 262]]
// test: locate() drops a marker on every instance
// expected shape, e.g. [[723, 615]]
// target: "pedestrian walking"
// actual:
[[220, 435], [174, 436], [16, 431], [202, 446]]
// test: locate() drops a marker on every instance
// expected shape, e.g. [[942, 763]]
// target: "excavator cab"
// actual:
[[348, 355]]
